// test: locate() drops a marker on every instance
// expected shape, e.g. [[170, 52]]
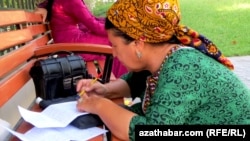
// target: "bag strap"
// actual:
[[65, 65]]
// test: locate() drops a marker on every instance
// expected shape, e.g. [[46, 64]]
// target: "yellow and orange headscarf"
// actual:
[[155, 21]]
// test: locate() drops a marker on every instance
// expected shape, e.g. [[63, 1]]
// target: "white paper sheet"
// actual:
[[69, 133], [56, 115], [19, 135]]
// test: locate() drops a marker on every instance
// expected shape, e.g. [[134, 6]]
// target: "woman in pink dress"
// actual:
[[72, 22]]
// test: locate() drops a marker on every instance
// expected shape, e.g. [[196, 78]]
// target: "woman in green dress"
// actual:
[[181, 76]]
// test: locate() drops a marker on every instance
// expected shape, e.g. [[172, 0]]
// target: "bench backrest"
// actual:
[[20, 33]]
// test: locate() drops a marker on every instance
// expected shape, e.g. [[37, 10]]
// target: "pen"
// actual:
[[92, 82]]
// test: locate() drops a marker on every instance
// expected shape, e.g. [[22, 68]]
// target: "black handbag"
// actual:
[[57, 75]]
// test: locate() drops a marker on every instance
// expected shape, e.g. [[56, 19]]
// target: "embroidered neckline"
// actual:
[[153, 79]]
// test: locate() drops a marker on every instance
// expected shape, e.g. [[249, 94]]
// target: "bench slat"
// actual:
[[42, 40], [31, 17], [12, 17], [9, 39], [10, 86], [37, 29], [16, 58]]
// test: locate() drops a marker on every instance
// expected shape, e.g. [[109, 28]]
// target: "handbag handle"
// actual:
[[60, 52]]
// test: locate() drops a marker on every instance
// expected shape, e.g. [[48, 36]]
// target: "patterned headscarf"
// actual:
[[155, 21]]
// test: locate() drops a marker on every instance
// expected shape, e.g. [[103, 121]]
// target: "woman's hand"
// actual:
[[89, 87], [43, 12], [89, 103]]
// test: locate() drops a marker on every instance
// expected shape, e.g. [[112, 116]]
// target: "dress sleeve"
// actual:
[[127, 76], [136, 108], [80, 12]]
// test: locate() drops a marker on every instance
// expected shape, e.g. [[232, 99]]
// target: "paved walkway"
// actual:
[[242, 68]]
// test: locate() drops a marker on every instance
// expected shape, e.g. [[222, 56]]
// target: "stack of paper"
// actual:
[[52, 124], [68, 133], [56, 115]]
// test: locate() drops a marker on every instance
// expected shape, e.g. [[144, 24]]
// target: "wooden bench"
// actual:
[[24, 36], [20, 33]]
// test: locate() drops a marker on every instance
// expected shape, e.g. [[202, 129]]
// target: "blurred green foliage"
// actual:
[[225, 22]]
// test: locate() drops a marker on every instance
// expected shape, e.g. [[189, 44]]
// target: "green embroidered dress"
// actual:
[[192, 88]]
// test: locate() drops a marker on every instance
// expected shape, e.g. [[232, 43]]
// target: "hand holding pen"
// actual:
[[83, 83], [90, 91]]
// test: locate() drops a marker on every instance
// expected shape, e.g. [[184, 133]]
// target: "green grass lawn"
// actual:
[[225, 22]]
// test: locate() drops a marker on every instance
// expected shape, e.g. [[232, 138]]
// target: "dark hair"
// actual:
[[110, 26], [49, 9]]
